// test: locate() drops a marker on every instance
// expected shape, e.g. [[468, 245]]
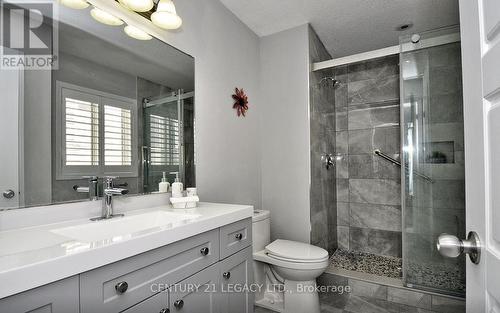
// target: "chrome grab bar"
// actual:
[[396, 162]]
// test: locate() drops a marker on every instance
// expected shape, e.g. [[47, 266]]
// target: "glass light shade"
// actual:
[[138, 5], [105, 17], [75, 4], [166, 16], [137, 33]]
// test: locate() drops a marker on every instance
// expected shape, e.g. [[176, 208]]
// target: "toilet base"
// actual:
[[300, 297]]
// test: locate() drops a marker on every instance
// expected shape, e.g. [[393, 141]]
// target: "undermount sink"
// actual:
[[118, 228]]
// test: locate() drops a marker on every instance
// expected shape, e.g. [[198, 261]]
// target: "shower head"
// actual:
[[329, 81]]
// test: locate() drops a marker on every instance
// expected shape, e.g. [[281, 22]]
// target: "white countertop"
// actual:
[[34, 256]]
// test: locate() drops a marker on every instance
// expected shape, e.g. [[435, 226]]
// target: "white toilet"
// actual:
[[287, 270]]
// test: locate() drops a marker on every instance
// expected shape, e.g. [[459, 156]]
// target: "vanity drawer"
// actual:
[[118, 286], [156, 304], [235, 237]]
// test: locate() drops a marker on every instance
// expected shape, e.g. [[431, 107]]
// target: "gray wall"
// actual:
[[368, 187], [322, 115], [226, 56], [37, 136], [285, 132]]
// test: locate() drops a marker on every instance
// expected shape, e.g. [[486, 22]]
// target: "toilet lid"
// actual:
[[294, 250]]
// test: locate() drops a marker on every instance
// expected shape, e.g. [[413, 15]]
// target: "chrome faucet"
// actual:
[[107, 199], [92, 188]]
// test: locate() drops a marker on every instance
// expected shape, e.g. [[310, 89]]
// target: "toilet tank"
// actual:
[[261, 229]]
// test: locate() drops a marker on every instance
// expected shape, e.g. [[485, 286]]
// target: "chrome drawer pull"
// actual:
[[9, 194], [121, 287], [239, 236], [204, 251], [179, 304], [226, 275]]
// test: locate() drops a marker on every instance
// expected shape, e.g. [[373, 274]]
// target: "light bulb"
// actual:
[[166, 16], [138, 5], [75, 4], [105, 17], [137, 33]]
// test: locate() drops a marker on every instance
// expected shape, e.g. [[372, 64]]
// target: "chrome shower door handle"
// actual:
[[451, 246], [9, 194]]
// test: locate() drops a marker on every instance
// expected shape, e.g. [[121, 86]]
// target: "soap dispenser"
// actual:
[[177, 187], [164, 184]]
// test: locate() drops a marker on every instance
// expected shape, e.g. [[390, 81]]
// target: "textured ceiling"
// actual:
[[346, 26]]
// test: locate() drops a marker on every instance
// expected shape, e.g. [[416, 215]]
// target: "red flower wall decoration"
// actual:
[[240, 101]]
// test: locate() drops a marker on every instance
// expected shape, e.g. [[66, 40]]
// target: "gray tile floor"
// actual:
[[366, 297]]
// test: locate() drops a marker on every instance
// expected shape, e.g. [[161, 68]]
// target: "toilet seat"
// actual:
[[293, 255], [262, 256], [293, 251], [295, 260]]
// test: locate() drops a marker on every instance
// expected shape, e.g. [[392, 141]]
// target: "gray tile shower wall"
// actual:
[[368, 195], [322, 112]]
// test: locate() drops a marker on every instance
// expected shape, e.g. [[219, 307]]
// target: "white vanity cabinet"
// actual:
[[120, 285], [204, 273], [58, 297]]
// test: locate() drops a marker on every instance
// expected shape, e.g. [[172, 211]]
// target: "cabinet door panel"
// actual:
[[58, 297], [196, 294], [236, 276]]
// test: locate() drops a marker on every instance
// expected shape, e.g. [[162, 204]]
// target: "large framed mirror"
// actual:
[[112, 106]]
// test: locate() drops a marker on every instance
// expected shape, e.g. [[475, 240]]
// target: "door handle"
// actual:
[[451, 246], [9, 194]]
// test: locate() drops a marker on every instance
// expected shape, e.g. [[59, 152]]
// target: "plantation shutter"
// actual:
[[164, 140], [117, 136], [96, 132], [82, 132]]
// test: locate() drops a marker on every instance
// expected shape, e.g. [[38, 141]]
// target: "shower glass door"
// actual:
[[433, 159], [168, 140]]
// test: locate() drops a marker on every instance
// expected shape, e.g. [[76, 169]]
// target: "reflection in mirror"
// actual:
[[115, 106]]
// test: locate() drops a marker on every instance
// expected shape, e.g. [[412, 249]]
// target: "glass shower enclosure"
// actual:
[[433, 184], [168, 139]]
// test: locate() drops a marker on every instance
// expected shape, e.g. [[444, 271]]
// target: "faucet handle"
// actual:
[[91, 178], [109, 179]]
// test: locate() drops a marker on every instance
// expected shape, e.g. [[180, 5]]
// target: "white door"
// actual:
[[480, 28], [9, 137]]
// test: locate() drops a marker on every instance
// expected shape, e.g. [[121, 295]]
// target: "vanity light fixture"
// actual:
[[138, 5], [166, 16], [137, 33], [75, 4], [105, 17]]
